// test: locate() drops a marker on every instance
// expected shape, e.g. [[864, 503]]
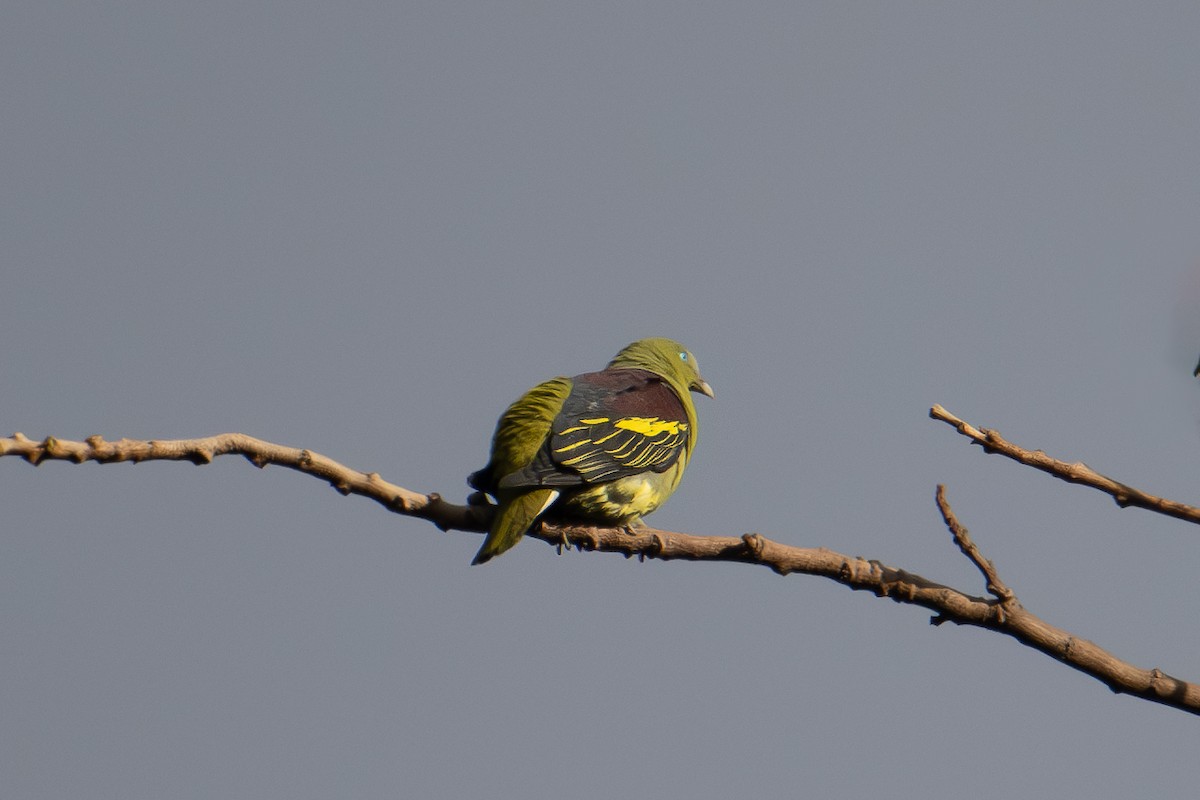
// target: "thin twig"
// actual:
[[1077, 472], [962, 538]]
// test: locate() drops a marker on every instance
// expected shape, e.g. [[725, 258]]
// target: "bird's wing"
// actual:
[[522, 432], [614, 423]]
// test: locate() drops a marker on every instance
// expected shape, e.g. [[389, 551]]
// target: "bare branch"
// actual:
[[963, 539], [1077, 472], [1003, 614], [346, 481]]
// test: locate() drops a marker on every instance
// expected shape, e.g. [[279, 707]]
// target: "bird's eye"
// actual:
[[683, 356]]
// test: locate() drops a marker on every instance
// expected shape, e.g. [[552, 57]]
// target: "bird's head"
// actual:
[[664, 357]]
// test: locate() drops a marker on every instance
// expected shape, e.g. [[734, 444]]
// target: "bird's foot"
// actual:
[[563, 542]]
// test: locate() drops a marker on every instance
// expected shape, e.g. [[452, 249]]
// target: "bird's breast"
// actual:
[[626, 499]]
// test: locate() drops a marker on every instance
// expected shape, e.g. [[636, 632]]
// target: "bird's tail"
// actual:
[[513, 517]]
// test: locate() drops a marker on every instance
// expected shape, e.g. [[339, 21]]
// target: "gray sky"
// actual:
[[366, 228]]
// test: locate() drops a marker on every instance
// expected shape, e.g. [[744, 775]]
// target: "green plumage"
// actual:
[[604, 447]]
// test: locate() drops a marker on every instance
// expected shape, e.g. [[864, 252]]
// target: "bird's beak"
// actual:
[[703, 388]]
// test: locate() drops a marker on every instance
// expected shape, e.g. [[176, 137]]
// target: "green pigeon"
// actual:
[[603, 447]]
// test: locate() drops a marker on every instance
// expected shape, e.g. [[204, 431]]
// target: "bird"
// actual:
[[605, 447]]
